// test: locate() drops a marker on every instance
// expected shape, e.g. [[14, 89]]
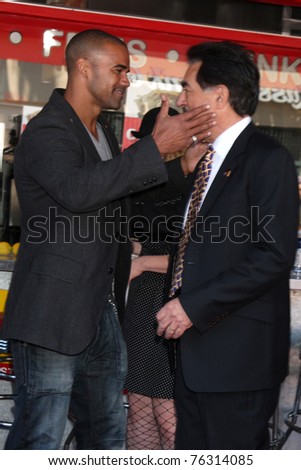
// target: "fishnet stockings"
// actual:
[[151, 423]]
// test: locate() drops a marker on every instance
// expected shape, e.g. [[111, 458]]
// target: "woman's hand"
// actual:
[[192, 156]]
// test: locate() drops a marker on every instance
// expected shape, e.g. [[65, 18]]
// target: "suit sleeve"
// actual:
[[61, 164]]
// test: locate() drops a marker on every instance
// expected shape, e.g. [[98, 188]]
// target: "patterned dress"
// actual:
[[150, 372]]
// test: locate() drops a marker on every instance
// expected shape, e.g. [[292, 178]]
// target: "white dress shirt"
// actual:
[[222, 145]]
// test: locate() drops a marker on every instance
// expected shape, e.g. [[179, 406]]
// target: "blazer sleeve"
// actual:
[[64, 162]]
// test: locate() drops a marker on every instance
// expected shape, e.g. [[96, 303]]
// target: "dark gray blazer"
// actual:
[[72, 226], [236, 274]]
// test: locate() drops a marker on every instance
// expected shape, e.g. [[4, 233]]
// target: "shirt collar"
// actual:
[[225, 140]]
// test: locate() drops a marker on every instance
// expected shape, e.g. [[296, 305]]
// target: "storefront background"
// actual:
[[33, 40]]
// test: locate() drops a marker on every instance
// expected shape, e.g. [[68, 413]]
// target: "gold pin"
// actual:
[[227, 173]]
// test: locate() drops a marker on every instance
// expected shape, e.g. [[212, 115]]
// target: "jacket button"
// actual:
[[110, 270]]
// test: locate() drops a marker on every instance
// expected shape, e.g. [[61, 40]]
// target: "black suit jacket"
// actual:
[[123, 260], [236, 274], [71, 226]]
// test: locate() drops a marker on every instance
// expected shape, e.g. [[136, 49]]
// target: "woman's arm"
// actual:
[[154, 263], [136, 248]]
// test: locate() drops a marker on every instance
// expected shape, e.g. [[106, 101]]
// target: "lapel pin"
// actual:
[[227, 173]]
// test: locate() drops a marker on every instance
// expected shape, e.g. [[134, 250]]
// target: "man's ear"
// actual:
[[221, 96], [82, 66]]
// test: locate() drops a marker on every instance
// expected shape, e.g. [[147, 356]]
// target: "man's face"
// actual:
[[192, 94], [107, 75]]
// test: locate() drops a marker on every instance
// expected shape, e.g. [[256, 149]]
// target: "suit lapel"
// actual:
[[222, 178], [110, 136], [227, 169], [86, 138], [57, 100]]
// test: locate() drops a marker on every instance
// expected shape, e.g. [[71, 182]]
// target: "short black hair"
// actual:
[[86, 41], [230, 64]]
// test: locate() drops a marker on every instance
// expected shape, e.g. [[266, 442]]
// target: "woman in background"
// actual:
[[156, 214]]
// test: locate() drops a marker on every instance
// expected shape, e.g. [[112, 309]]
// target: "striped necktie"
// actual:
[[199, 187]]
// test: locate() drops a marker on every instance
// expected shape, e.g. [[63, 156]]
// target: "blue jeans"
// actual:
[[90, 385]]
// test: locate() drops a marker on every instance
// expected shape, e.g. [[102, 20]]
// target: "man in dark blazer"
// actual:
[[232, 314], [61, 310]]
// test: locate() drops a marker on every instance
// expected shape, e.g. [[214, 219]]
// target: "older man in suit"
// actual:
[[61, 311], [230, 281]]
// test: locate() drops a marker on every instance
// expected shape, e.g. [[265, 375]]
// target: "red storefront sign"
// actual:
[[39, 34]]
